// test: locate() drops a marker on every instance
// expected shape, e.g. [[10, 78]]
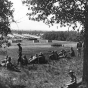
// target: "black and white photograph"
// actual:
[[43, 43]]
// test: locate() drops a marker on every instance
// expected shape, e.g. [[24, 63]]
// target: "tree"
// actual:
[[65, 12], [6, 15]]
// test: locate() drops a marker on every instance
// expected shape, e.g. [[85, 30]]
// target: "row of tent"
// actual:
[[23, 36]]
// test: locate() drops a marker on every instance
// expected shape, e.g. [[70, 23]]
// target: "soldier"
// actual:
[[62, 54], [20, 49], [40, 54], [56, 55], [9, 63], [25, 60], [11, 66], [73, 80], [41, 58], [20, 53], [79, 48]]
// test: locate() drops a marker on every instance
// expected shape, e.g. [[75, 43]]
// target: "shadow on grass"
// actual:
[[15, 70], [32, 67], [18, 86]]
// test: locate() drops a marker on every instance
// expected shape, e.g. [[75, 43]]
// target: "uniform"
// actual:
[[79, 48], [19, 53]]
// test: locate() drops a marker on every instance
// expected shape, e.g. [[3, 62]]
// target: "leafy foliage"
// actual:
[[6, 14], [65, 12], [62, 36]]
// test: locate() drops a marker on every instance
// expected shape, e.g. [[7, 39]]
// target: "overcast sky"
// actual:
[[22, 20]]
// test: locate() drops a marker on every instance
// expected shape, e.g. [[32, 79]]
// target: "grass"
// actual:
[[52, 75]]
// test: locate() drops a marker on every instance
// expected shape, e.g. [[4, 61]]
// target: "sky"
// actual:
[[23, 23]]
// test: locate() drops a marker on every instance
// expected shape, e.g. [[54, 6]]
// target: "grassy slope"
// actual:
[[52, 75]]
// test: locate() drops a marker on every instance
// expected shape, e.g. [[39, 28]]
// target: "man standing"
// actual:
[[79, 48], [20, 53]]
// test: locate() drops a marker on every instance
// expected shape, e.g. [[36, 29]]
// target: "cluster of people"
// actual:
[[53, 56], [73, 81], [21, 60], [24, 61], [62, 54], [7, 62], [37, 58], [40, 58], [33, 59]]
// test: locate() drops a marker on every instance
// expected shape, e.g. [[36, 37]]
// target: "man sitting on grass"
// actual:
[[11, 66], [56, 55], [41, 58], [34, 59], [24, 60], [73, 80], [62, 54], [72, 52], [3, 62]]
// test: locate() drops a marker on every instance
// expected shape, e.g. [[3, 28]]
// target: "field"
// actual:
[[52, 75]]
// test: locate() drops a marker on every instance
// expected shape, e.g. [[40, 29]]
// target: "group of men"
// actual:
[[37, 58], [21, 60], [7, 62], [62, 54], [73, 83], [54, 54], [24, 61]]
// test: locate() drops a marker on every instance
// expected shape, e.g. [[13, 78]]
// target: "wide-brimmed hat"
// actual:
[[71, 72], [18, 44]]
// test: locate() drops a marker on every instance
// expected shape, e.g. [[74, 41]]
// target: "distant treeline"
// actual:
[[54, 35], [63, 36]]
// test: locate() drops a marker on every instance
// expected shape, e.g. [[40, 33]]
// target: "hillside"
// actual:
[[51, 75]]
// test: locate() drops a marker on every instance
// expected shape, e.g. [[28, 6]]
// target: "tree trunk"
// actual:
[[85, 56]]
